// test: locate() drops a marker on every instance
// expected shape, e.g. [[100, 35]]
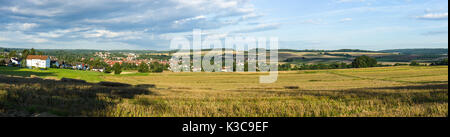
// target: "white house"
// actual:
[[15, 61], [38, 61]]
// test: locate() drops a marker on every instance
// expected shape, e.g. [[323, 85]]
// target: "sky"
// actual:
[[151, 24]]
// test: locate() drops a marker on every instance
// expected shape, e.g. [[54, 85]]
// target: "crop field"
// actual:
[[372, 92]]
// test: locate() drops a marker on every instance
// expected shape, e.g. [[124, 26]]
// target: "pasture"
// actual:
[[372, 92]]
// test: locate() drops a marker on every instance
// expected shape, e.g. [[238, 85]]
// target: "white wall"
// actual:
[[38, 63]]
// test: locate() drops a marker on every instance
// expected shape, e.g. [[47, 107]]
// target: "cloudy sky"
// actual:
[[150, 24]]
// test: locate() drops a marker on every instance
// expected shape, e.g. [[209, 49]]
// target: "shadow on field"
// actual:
[[437, 93], [66, 97], [417, 87], [419, 94], [14, 71]]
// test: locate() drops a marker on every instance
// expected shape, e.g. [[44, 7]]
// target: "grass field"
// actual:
[[374, 92]]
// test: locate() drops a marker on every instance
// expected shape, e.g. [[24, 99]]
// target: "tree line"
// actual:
[[154, 67], [358, 62]]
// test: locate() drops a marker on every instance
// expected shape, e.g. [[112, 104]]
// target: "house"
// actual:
[[55, 63], [98, 70], [15, 61], [80, 66], [38, 61]]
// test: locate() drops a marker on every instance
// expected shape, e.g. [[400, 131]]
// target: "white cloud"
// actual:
[[33, 11], [18, 36], [346, 20], [3, 39], [21, 26], [259, 28], [62, 32], [434, 16], [189, 19], [85, 44], [107, 34], [346, 1], [313, 21]]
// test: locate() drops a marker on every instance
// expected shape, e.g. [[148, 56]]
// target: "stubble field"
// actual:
[[372, 92]]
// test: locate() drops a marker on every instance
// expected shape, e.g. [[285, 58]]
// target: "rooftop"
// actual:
[[41, 57]]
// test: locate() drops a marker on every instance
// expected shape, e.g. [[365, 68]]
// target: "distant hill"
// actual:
[[339, 50], [440, 51], [3, 49], [423, 51]]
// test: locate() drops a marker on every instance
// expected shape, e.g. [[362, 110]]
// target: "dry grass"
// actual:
[[373, 92]]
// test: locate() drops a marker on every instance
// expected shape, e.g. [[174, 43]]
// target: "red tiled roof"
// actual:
[[37, 57]]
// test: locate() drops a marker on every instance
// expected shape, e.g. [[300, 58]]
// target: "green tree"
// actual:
[[144, 68], [2, 62], [414, 63], [156, 67], [25, 54], [108, 69], [32, 51], [117, 68], [23, 63], [364, 62], [442, 62], [12, 54]]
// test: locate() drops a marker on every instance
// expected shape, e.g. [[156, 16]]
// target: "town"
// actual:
[[100, 61], [146, 61]]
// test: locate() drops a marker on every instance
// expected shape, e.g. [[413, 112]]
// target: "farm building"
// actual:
[[38, 61]]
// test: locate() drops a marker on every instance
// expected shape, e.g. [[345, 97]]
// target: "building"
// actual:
[[38, 61], [15, 61], [54, 63]]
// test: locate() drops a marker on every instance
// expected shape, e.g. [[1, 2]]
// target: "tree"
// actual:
[[108, 69], [414, 63], [23, 63], [32, 51], [144, 68], [442, 62], [12, 54], [25, 54], [117, 68], [2, 62], [156, 67], [364, 62]]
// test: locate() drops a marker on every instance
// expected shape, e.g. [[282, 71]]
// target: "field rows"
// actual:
[[373, 92]]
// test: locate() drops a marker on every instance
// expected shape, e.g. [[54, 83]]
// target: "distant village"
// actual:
[[100, 61]]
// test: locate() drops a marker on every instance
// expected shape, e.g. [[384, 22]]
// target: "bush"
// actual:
[[2, 62], [400, 64], [364, 62], [414, 63], [144, 68], [442, 62], [156, 67], [117, 68], [108, 70]]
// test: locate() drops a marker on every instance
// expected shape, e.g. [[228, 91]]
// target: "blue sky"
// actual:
[[150, 24]]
